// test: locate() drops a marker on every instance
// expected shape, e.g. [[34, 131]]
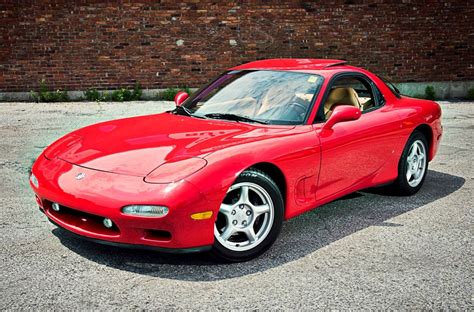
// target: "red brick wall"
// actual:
[[106, 44]]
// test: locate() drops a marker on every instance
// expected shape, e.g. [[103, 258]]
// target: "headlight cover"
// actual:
[[146, 210], [175, 171], [34, 180]]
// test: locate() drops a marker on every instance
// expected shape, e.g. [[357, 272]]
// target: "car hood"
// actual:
[[135, 146]]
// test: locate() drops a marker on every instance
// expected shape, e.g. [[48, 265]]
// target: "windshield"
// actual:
[[274, 97]]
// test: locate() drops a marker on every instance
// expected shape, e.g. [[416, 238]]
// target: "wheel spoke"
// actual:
[[228, 232], [250, 233], [226, 209], [415, 176], [417, 149], [244, 194], [417, 172], [409, 174], [261, 209], [412, 151]]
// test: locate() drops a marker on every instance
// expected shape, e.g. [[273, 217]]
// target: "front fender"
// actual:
[[297, 157]]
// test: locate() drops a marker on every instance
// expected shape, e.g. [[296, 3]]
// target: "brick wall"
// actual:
[[106, 44]]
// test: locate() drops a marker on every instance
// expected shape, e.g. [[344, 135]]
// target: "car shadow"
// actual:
[[300, 236]]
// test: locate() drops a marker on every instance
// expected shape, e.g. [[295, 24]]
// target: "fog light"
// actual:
[[55, 206], [108, 223], [146, 211]]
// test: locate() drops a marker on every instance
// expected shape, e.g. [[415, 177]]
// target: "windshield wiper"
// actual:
[[181, 110], [233, 117]]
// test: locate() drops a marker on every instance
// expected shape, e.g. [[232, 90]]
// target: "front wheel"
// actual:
[[413, 165], [249, 219]]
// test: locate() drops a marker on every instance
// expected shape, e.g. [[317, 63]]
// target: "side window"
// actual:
[[354, 91]]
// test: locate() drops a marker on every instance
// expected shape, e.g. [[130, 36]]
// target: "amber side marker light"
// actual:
[[201, 215]]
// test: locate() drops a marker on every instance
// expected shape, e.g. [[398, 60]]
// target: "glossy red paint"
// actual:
[[290, 64], [180, 97], [341, 114], [187, 164]]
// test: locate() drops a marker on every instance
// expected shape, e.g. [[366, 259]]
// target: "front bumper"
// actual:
[[143, 247], [86, 202]]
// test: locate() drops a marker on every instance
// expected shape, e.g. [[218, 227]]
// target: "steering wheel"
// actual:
[[299, 108], [293, 111]]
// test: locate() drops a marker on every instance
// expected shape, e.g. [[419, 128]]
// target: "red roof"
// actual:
[[291, 64]]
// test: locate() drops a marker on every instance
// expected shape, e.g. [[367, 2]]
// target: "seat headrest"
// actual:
[[346, 96]]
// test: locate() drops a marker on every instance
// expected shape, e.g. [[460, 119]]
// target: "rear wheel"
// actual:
[[249, 219], [413, 165]]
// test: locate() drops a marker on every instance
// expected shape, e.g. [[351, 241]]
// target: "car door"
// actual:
[[355, 154]]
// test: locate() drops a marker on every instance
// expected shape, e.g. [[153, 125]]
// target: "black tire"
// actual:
[[260, 178], [401, 185]]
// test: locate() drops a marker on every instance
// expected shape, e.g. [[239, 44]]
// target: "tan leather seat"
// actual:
[[346, 96]]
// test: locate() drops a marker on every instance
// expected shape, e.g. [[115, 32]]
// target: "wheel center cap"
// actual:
[[243, 215]]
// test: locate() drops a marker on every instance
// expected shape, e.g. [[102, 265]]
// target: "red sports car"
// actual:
[[262, 143]]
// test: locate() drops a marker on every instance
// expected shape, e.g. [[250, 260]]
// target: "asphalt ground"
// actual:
[[368, 250]]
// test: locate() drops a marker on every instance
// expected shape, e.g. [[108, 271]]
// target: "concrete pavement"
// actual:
[[366, 251]]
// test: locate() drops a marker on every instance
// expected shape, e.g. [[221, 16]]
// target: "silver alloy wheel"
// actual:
[[416, 163], [248, 219]]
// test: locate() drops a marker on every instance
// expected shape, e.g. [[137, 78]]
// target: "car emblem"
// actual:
[[80, 176]]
